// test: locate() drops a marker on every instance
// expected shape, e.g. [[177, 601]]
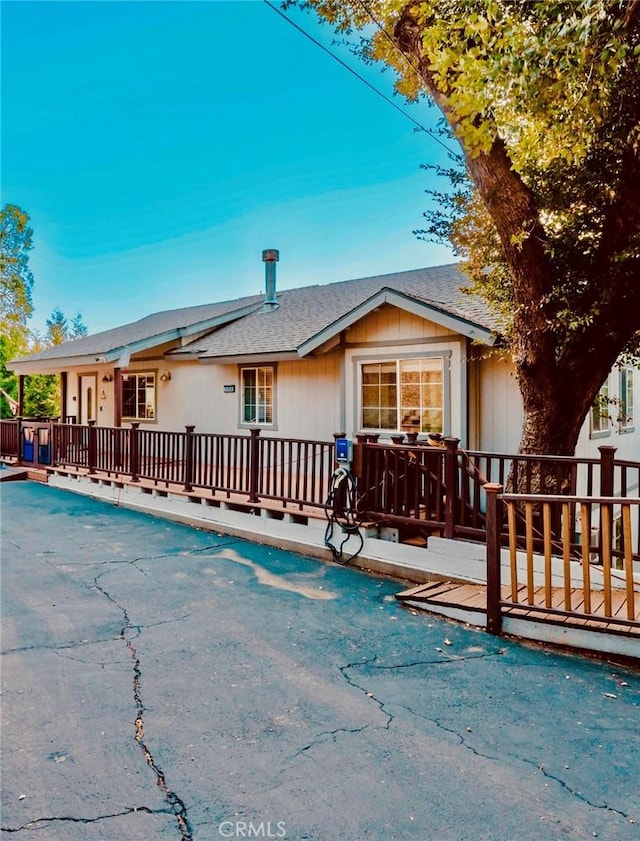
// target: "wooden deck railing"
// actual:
[[590, 571], [294, 472], [419, 489], [424, 489], [9, 439]]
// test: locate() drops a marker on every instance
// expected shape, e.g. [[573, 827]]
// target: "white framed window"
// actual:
[[403, 395], [626, 419], [257, 395], [139, 396], [600, 420]]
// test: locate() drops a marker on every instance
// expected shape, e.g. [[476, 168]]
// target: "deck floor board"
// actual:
[[474, 597]]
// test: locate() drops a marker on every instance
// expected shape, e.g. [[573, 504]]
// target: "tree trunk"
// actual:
[[559, 367]]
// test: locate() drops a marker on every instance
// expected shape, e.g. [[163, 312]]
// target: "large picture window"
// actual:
[[257, 395], [403, 395], [139, 396]]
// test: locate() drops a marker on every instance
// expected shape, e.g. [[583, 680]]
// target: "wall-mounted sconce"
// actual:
[[103, 396], [165, 376], [107, 378]]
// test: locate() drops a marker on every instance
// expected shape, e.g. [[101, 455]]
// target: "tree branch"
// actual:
[[509, 201]]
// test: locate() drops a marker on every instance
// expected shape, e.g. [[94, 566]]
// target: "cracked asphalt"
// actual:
[[160, 682]]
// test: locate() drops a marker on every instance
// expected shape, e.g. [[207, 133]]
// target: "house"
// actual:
[[403, 352]]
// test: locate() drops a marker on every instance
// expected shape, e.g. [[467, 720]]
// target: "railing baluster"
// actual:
[[566, 553], [627, 543], [529, 543], [546, 526], [585, 534], [513, 549]]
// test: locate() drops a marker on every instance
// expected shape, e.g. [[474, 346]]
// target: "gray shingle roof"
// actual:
[[146, 328], [302, 314], [307, 311]]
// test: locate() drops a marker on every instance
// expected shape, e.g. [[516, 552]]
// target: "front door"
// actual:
[[88, 398]]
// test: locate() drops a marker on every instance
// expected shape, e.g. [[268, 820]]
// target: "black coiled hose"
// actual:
[[341, 509]]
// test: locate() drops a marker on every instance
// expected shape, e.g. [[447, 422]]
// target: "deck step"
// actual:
[[13, 474], [455, 599]]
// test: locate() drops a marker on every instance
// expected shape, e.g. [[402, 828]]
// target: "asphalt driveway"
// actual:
[[160, 682]]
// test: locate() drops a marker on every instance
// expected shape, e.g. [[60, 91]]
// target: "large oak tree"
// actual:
[[543, 98]]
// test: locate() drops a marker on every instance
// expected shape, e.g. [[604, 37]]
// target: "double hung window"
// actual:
[[257, 395]]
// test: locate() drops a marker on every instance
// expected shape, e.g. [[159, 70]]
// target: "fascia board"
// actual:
[[180, 332], [218, 320], [431, 312], [397, 299], [250, 358], [52, 366]]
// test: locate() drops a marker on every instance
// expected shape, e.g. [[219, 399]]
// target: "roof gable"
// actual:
[[431, 312]]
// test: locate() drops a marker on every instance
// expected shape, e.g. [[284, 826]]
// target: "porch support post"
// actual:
[[19, 439], [189, 458], [451, 486], [254, 464], [134, 456], [64, 390], [92, 447], [117, 397], [494, 529], [20, 412]]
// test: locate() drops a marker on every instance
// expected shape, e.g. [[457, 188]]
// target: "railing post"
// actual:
[[357, 467], [188, 458], [607, 455], [134, 453], [254, 464], [92, 447], [494, 529], [451, 486], [21, 378], [64, 379]]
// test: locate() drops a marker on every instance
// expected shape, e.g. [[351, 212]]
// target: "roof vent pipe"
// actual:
[[270, 257]]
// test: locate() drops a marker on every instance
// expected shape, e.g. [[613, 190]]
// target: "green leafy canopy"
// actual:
[[543, 99]]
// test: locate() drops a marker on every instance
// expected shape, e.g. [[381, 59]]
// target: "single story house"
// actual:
[[404, 352]]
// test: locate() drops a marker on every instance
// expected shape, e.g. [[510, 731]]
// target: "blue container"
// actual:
[[44, 454], [28, 449]]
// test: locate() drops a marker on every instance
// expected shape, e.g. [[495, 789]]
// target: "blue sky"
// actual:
[[158, 147]]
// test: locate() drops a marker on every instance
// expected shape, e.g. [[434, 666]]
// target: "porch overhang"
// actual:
[[48, 362]]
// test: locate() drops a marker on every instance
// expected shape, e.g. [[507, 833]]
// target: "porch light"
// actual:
[[107, 378], [165, 376]]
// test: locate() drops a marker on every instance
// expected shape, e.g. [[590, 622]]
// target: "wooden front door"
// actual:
[[88, 398]]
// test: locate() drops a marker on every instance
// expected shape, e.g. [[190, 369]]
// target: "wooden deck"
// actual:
[[458, 600], [162, 487]]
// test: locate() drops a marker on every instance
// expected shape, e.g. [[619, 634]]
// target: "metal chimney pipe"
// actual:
[[270, 257]]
